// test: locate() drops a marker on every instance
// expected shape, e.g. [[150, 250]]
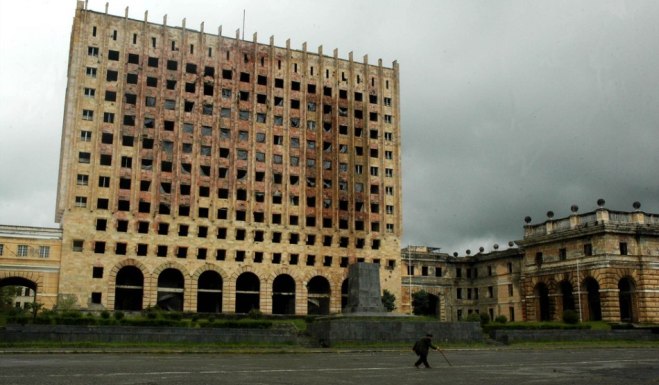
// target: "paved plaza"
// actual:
[[490, 366]]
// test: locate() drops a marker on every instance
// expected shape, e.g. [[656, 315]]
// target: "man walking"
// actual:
[[421, 348]]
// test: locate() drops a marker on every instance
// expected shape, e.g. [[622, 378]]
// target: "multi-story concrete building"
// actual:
[[462, 285], [603, 264], [205, 173], [30, 259]]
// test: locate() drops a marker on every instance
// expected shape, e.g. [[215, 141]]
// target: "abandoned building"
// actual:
[[458, 286], [602, 264], [204, 173], [30, 260], [213, 174]]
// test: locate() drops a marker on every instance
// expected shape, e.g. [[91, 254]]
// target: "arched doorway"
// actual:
[[129, 289], [171, 286], [542, 302], [318, 301], [433, 305], [17, 292], [567, 294], [248, 288], [594, 304], [344, 293], [209, 292], [283, 295], [627, 299]]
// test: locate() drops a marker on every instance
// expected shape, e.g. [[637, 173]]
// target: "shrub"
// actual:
[[44, 320], [255, 314], [501, 319], [151, 315], [388, 301], [105, 314], [484, 318], [71, 314], [421, 303], [243, 324], [473, 317], [570, 317], [173, 315], [119, 315]]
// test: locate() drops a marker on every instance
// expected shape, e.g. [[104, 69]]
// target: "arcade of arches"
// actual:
[[212, 291], [608, 299]]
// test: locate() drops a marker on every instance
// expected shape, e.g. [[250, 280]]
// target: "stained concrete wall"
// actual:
[[510, 336], [66, 333], [331, 331]]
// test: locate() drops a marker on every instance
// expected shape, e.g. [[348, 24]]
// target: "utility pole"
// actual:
[[579, 291]]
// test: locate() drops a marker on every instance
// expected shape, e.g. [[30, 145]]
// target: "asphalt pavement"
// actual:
[[593, 366]]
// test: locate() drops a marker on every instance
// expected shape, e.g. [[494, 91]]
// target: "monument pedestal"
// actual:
[[364, 296]]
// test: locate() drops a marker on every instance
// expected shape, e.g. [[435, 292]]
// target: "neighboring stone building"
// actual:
[[205, 173], [459, 286], [30, 259], [603, 264]]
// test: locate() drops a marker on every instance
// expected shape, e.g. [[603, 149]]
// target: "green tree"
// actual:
[[34, 308], [421, 303], [7, 296], [388, 300]]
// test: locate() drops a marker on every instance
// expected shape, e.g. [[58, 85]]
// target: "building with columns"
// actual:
[[603, 264]]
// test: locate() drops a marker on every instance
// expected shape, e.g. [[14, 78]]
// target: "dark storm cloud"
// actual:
[[509, 108]]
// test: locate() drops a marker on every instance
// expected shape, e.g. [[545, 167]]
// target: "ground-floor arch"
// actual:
[[345, 288], [434, 305], [319, 294], [209, 292], [592, 289], [567, 295], [627, 299], [129, 289], [171, 286], [543, 308], [248, 290], [26, 291], [283, 295]]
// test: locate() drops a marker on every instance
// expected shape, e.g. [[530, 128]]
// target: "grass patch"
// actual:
[[609, 344], [144, 345], [407, 345]]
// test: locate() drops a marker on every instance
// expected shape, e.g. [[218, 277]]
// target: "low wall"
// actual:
[[512, 336], [330, 331], [67, 333]]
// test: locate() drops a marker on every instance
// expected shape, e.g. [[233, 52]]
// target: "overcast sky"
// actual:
[[509, 108]]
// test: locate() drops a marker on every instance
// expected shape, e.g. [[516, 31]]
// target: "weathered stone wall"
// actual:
[[65, 333], [510, 336], [331, 331]]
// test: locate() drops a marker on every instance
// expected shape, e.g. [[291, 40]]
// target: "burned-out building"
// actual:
[[458, 286], [603, 264], [205, 173]]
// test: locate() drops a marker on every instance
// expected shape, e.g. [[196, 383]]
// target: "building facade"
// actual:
[[461, 285], [205, 173], [603, 264], [30, 260]]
